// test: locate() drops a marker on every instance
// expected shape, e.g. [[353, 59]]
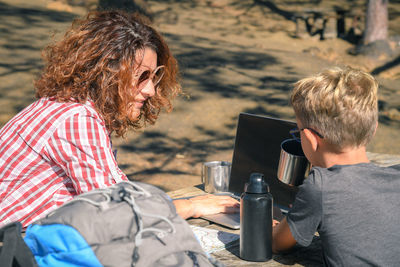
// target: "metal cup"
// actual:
[[215, 176], [293, 166]]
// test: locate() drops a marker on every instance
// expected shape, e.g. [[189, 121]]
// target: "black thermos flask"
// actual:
[[256, 220]]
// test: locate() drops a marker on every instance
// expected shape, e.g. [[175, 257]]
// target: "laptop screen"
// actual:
[[257, 149]]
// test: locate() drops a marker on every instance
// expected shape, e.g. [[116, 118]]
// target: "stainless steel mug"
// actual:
[[215, 176], [293, 166]]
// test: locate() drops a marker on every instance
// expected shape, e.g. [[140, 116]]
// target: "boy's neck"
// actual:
[[347, 156]]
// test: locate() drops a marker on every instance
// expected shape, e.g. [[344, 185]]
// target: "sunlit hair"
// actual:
[[96, 60], [341, 104]]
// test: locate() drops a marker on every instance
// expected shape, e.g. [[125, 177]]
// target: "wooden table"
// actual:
[[326, 23], [298, 256]]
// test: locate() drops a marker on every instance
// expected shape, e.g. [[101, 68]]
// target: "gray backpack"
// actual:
[[127, 224]]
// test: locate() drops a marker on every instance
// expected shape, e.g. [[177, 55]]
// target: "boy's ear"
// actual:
[[312, 139], [376, 127]]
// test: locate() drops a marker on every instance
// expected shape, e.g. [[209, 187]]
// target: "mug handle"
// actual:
[[202, 174]]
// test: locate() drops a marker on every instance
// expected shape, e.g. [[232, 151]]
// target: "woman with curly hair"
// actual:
[[109, 73]]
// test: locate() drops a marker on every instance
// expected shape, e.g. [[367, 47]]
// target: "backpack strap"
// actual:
[[14, 252]]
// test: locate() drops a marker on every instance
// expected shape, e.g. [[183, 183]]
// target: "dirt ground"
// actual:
[[234, 56]]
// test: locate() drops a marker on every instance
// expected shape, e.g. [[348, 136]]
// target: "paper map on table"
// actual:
[[212, 240]]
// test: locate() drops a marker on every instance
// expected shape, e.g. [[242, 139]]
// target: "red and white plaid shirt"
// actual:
[[49, 153]]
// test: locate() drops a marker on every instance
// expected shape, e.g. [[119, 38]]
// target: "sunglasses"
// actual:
[[155, 76], [296, 133]]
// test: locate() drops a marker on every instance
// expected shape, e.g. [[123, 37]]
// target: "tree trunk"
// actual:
[[376, 22]]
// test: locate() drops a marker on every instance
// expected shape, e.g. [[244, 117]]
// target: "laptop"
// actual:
[[257, 149]]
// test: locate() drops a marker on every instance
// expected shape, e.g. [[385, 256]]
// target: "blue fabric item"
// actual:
[[59, 245]]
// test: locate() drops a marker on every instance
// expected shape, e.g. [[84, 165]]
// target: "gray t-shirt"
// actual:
[[356, 211]]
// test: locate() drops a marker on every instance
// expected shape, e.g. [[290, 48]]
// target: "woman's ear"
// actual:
[[312, 139]]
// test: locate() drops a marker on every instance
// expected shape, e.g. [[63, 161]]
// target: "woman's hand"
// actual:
[[205, 205]]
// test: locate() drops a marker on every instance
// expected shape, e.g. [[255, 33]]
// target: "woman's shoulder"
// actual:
[[50, 114], [66, 108]]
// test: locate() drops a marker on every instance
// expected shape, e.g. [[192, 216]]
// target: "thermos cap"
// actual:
[[256, 185]]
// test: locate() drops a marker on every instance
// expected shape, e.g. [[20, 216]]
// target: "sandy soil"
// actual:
[[235, 56]]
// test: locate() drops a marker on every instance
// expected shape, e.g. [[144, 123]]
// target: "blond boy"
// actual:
[[353, 204]]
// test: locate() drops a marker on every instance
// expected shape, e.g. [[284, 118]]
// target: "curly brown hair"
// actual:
[[96, 60]]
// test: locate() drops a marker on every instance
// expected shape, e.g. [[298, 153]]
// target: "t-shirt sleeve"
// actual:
[[81, 148], [305, 216]]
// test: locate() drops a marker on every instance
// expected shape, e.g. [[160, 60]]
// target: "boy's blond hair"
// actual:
[[341, 104]]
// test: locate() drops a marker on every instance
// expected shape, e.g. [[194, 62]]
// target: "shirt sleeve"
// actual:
[[81, 147], [305, 216]]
